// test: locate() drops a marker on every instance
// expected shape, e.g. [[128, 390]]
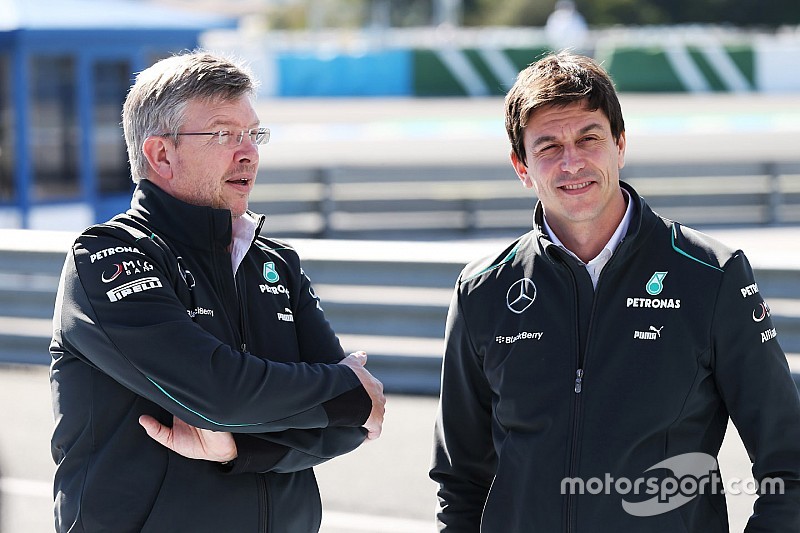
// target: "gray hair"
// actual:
[[156, 102]]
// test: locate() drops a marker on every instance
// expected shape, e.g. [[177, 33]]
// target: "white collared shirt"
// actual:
[[595, 266], [244, 231]]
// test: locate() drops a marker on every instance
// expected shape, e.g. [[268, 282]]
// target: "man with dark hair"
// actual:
[[591, 367], [195, 379]]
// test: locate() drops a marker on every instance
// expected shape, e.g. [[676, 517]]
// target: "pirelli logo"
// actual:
[[140, 285]]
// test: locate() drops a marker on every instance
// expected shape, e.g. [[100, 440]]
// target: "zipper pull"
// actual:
[[244, 347], [578, 381]]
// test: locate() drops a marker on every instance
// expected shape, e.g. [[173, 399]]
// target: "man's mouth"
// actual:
[[240, 182], [576, 186]]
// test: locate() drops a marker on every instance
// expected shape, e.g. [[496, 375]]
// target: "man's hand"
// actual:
[[189, 441], [374, 388]]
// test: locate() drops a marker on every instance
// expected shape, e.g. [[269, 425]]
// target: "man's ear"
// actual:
[[159, 152], [622, 143], [521, 170]]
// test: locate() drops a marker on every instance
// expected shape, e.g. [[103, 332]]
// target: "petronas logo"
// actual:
[[656, 283], [270, 274]]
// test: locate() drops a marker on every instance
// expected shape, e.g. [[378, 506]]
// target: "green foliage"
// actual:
[[623, 12], [599, 13], [736, 12], [533, 13], [507, 12], [411, 13]]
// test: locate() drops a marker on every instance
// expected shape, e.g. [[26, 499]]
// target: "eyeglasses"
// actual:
[[225, 137]]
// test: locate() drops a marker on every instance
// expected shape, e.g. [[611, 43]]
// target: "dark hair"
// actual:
[[558, 80]]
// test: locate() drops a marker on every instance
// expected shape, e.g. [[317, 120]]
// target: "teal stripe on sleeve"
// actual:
[[685, 254], [505, 260], [171, 397]]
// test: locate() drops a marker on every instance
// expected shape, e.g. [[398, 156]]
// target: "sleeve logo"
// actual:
[[762, 312], [102, 254], [140, 285], [129, 268]]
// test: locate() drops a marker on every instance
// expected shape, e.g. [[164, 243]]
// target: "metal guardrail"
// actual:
[[371, 202], [389, 298]]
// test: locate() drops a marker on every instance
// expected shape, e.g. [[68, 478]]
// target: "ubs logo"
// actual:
[[521, 295]]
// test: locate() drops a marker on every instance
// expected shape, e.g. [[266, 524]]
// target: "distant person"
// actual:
[[566, 27], [592, 365], [178, 320]]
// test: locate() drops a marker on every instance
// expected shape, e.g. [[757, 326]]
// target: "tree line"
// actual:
[[603, 13], [745, 14]]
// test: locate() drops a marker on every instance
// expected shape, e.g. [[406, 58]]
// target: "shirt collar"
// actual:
[[244, 231], [612, 243]]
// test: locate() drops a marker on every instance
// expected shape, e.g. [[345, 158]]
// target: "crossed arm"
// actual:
[[220, 446]]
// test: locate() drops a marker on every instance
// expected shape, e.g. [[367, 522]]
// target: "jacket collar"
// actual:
[[197, 226], [642, 222]]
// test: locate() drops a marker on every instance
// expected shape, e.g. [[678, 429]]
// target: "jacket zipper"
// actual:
[[579, 380], [240, 293], [577, 388], [263, 500], [576, 420]]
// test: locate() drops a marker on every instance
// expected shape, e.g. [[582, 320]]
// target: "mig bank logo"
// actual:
[[129, 268], [656, 283], [270, 274], [521, 295]]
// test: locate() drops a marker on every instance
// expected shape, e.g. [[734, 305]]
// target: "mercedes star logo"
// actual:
[[521, 295]]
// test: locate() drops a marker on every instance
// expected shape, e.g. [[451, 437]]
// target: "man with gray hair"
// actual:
[[195, 379]]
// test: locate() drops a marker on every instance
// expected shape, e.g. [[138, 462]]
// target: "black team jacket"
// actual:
[[570, 409], [150, 320]]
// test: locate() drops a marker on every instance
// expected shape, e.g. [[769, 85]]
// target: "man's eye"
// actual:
[[224, 136]]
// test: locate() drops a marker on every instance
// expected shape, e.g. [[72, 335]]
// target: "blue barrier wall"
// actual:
[[387, 73], [765, 65]]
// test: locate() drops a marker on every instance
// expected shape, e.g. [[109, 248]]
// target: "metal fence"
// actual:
[[434, 202]]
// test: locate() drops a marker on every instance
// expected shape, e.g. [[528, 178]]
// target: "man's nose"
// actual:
[[572, 161], [247, 151]]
